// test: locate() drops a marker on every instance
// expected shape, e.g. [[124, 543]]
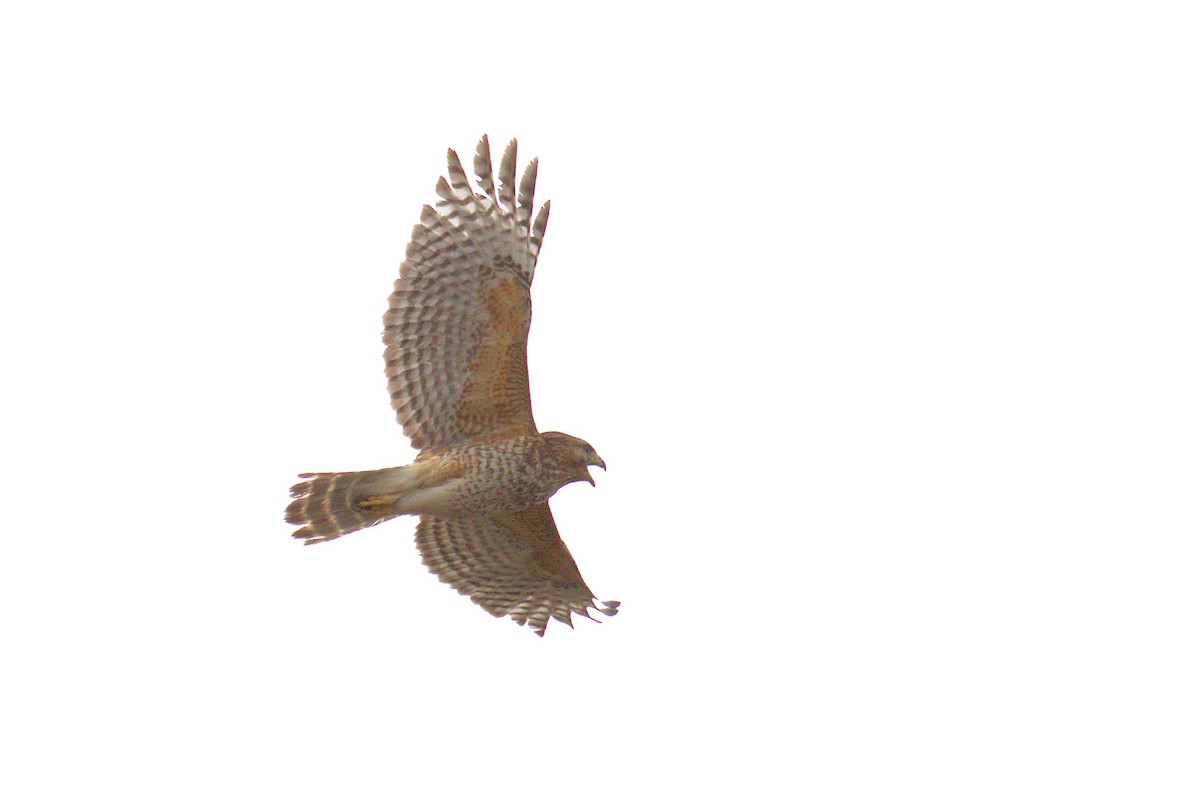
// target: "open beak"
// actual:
[[588, 473]]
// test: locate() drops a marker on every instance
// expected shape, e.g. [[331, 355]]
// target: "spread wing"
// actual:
[[458, 319], [511, 564]]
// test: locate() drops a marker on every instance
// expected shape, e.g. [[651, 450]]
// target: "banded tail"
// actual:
[[330, 505]]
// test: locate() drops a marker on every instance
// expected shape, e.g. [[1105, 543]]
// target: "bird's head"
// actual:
[[573, 456]]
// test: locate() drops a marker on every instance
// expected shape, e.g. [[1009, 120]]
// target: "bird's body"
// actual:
[[494, 476], [456, 331]]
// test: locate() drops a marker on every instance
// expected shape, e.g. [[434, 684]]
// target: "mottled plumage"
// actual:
[[456, 330]]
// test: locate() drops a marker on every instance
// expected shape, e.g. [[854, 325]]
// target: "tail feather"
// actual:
[[327, 506]]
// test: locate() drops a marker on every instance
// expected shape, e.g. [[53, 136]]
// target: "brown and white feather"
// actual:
[[458, 318], [455, 332], [513, 564]]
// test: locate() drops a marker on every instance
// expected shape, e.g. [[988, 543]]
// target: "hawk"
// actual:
[[456, 330]]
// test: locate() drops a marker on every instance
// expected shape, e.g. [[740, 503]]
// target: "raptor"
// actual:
[[456, 332]]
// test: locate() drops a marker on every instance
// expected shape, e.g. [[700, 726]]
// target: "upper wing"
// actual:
[[510, 564], [458, 319]]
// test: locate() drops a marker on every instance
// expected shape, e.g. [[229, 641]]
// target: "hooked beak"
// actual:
[[588, 473]]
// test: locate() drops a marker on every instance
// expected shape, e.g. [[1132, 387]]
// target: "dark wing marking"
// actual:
[[458, 319], [513, 564]]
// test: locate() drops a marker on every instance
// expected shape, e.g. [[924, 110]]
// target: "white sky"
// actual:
[[883, 315]]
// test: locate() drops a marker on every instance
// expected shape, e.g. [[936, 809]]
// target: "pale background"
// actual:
[[883, 315]]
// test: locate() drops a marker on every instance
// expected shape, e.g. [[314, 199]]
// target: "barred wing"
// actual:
[[458, 319], [513, 564]]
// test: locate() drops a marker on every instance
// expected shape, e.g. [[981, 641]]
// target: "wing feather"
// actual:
[[539, 229], [525, 195], [483, 167], [513, 564], [508, 176], [457, 322]]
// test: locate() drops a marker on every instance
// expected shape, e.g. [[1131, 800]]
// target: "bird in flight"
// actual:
[[456, 332]]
